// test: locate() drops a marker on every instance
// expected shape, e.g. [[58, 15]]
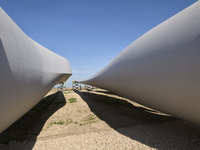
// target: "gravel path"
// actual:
[[133, 128], [157, 136]]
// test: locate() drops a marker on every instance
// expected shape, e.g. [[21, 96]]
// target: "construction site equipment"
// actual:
[[76, 85], [88, 87], [61, 86]]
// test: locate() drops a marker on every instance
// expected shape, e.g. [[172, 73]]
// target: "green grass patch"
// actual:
[[76, 122], [68, 121], [61, 122], [72, 100], [67, 92], [89, 119]]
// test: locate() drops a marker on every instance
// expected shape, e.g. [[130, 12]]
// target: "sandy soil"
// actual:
[[100, 120]]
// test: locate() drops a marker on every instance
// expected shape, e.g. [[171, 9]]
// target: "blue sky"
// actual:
[[89, 33]]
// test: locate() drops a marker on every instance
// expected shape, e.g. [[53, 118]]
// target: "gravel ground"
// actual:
[[137, 127], [96, 140], [157, 136]]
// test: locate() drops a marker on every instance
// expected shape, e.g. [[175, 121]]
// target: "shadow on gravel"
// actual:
[[28, 127], [105, 92], [142, 124], [119, 113]]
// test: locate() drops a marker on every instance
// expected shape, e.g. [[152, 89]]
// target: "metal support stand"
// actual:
[[76, 85], [61, 86], [88, 87]]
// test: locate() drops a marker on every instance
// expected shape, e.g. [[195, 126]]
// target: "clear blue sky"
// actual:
[[89, 33]]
